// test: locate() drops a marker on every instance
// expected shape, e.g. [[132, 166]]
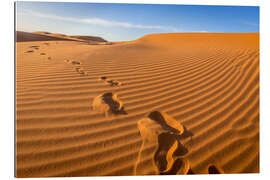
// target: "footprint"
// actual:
[[42, 54], [35, 47], [80, 70], [110, 81], [108, 103], [103, 77], [163, 132], [49, 58], [75, 62], [30, 51], [113, 83], [212, 169]]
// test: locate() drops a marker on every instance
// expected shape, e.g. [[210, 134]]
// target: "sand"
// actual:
[[84, 110]]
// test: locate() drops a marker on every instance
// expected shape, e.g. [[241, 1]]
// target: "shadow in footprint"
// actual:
[[212, 169], [75, 62], [30, 51], [110, 81], [113, 83], [167, 143], [180, 166], [42, 54], [103, 77], [190, 171], [186, 134], [160, 118], [35, 47], [116, 106], [81, 71]]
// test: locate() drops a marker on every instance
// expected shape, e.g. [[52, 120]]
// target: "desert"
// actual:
[[168, 103]]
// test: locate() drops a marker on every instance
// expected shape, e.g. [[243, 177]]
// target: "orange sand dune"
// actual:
[[83, 110]]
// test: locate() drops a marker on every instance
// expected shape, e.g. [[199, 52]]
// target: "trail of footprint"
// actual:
[[163, 132]]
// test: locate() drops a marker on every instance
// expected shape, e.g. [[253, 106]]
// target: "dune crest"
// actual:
[[162, 132]]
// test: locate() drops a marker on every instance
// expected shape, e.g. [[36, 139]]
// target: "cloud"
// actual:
[[103, 22], [250, 23]]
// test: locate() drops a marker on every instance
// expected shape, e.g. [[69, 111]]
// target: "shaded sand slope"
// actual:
[[207, 82]]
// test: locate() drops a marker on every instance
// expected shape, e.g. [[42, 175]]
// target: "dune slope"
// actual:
[[207, 82]]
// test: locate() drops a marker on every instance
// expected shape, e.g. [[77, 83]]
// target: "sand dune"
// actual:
[[25, 36], [47, 36], [200, 92]]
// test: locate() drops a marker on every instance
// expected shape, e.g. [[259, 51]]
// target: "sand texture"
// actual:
[[185, 103]]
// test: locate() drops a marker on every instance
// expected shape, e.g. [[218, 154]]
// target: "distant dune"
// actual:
[[47, 36], [25, 36], [183, 103]]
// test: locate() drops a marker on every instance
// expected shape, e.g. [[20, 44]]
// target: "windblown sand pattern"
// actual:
[[207, 82]]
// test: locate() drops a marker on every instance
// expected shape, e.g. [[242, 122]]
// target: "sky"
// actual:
[[123, 22]]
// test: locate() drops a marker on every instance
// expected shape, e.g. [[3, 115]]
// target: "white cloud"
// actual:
[[103, 22]]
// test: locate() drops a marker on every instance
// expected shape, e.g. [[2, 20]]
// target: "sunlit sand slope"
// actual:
[[79, 107]]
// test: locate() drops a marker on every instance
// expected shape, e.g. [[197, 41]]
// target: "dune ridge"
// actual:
[[208, 83], [47, 36]]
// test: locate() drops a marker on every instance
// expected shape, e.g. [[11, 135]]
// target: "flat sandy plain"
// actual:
[[185, 103]]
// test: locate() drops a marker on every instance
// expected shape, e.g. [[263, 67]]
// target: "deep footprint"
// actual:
[[163, 132], [108, 103]]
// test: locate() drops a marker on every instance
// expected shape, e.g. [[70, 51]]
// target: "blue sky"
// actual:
[[120, 22]]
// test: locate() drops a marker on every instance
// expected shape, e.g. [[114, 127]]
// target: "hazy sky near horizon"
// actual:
[[120, 22]]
